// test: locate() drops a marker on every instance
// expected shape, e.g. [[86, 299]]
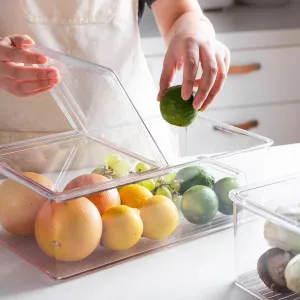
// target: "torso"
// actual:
[[104, 32]]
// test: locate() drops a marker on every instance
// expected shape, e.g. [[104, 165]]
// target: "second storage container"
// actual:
[[267, 238]]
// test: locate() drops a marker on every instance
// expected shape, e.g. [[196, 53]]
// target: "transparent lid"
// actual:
[[95, 104], [276, 200]]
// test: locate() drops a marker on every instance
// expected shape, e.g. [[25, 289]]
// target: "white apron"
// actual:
[[104, 32]]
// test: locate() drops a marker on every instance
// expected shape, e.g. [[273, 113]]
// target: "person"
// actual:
[[105, 32]]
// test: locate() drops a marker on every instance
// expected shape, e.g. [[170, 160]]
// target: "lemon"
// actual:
[[134, 195], [122, 227], [160, 217]]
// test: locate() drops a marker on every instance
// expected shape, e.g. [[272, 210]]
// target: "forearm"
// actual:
[[168, 15]]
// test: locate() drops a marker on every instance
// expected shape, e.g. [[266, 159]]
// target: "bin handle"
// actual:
[[245, 126], [244, 69], [238, 70]]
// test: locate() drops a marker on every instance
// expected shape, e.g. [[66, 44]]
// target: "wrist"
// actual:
[[193, 22]]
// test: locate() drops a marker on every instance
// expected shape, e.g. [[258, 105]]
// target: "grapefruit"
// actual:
[[19, 205], [68, 231], [103, 200]]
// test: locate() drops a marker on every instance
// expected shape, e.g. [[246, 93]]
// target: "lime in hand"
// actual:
[[175, 110]]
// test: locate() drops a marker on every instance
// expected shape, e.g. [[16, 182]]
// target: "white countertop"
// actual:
[[195, 270]]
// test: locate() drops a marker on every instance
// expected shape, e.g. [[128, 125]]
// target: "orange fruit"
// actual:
[[103, 200], [160, 217], [122, 227], [134, 195], [19, 205], [68, 231]]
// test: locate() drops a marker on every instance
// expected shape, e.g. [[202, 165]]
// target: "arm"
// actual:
[[191, 41], [166, 13]]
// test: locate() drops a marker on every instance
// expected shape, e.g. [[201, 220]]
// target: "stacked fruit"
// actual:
[[116, 218], [72, 230], [192, 189]]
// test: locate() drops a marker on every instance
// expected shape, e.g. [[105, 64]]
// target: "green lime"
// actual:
[[199, 204], [194, 175], [175, 110], [222, 189]]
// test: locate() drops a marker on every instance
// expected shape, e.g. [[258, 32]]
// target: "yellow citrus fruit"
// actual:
[[68, 231], [122, 227], [19, 205], [134, 195], [160, 217]]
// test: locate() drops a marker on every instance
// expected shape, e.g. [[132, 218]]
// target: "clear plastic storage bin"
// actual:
[[267, 238], [96, 160]]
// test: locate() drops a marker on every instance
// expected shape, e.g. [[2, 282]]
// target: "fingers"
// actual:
[[26, 88], [210, 70], [218, 84], [191, 62], [215, 62], [169, 68], [37, 92], [21, 73], [20, 40], [11, 50], [223, 62], [22, 80], [179, 64]]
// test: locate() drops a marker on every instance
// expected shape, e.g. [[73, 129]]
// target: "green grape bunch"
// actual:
[[169, 187], [104, 171], [114, 167]]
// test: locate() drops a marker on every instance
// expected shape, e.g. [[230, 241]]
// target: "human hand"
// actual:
[[194, 43], [20, 80]]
